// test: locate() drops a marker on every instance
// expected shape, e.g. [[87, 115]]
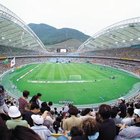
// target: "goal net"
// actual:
[[74, 77]]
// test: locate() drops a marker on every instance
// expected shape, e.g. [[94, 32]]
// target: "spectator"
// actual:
[[87, 113], [44, 107], [39, 102], [131, 132], [90, 128], [49, 119], [34, 109], [76, 133], [23, 102], [36, 99], [3, 106], [50, 104], [57, 124], [128, 120], [16, 118], [33, 100], [42, 131], [107, 128], [2, 123], [73, 120], [18, 133], [115, 116], [122, 107]]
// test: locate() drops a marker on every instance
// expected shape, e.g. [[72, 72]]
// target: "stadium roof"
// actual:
[[14, 32], [122, 34]]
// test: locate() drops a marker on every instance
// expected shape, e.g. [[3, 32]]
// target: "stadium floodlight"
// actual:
[[3, 38]]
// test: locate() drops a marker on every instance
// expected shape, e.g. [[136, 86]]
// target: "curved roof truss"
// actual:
[[14, 32], [122, 34]]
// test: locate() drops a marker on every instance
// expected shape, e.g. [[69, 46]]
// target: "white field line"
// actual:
[[60, 82], [27, 73]]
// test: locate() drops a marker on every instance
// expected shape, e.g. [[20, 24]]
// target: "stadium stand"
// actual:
[[100, 117]]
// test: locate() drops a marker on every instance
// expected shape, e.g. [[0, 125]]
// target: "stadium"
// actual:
[[105, 67]]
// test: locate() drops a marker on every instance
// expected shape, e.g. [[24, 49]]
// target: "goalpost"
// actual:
[[75, 77]]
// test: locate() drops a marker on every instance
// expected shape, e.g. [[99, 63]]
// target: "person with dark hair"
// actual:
[[90, 128], [44, 107], [23, 102], [107, 127], [33, 100], [137, 105], [3, 106], [122, 107], [73, 120], [131, 132], [128, 120], [18, 133], [34, 109], [24, 133], [57, 124], [39, 102], [36, 99], [87, 113], [76, 133], [2, 123], [115, 116], [4, 133], [50, 104]]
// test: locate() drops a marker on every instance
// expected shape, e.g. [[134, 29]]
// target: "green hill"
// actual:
[[50, 35]]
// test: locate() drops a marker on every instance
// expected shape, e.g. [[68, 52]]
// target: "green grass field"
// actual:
[[81, 83]]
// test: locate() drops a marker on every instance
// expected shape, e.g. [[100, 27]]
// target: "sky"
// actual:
[[87, 16]]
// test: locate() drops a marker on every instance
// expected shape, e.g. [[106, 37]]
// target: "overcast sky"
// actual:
[[88, 16]]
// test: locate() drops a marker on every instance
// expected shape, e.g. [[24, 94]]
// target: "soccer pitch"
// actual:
[[79, 83]]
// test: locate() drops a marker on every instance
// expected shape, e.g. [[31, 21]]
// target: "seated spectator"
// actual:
[[76, 133], [18, 133], [36, 99], [23, 102], [87, 113], [34, 109], [49, 119], [44, 107], [122, 107], [16, 118], [73, 120], [131, 132], [128, 120], [2, 123], [39, 102], [107, 127], [115, 116], [55, 111], [50, 104], [42, 131], [90, 128], [57, 125], [33, 100], [3, 106]]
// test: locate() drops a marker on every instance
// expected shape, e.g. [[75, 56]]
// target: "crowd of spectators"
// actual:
[[38, 120], [42, 121], [17, 51], [128, 52]]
